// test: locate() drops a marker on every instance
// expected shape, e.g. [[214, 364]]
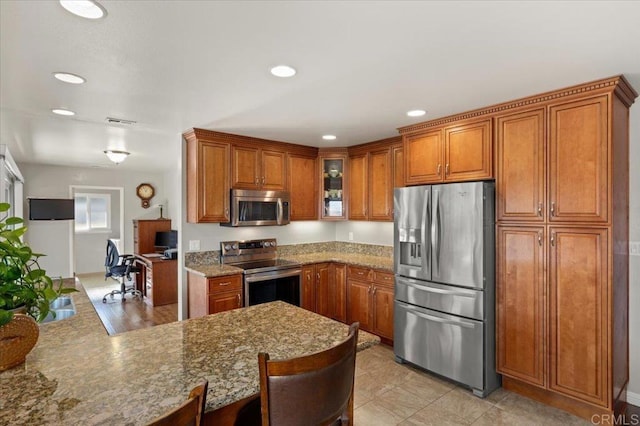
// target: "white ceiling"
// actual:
[[172, 65]]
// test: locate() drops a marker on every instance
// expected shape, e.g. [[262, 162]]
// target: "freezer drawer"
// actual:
[[444, 344], [452, 300]]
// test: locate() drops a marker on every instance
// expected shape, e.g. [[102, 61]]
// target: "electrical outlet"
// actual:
[[350, 236], [634, 248], [194, 245]]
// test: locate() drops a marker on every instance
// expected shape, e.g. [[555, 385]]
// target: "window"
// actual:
[[93, 212]]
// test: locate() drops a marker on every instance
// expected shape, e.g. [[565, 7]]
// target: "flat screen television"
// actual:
[[51, 209], [167, 239]]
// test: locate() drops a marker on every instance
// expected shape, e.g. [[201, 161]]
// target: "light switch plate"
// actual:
[[350, 236], [194, 245], [634, 248]]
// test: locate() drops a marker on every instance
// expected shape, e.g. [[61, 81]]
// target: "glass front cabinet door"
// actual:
[[332, 186]]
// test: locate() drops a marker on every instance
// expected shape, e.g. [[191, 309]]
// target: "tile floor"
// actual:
[[388, 393]]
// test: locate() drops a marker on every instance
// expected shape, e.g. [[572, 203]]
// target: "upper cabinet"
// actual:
[[302, 178], [208, 160], [258, 168], [458, 152], [333, 188], [373, 173]]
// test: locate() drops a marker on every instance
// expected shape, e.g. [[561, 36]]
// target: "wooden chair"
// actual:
[[316, 389], [189, 413]]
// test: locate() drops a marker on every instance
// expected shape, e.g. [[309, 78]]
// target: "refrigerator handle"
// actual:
[[423, 237], [435, 232]]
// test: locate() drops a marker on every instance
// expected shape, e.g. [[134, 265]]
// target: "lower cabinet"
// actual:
[[324, 290], [370, 300], [212, 295]]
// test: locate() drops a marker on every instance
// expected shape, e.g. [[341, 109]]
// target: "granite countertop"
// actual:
[[368, 261], [78, 375]]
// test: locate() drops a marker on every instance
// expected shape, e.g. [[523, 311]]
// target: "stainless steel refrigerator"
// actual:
[[444, 261]]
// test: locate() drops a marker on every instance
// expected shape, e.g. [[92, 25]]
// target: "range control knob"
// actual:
[[235, 247], [266, 244], [273, 243], [227, 247]]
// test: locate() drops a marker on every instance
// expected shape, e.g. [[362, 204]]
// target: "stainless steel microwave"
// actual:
[[259, 208]]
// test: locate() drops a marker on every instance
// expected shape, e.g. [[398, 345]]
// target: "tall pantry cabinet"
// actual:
[[562, 182]]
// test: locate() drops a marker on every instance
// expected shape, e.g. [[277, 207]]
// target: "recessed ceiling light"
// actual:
[[416, 113], [283, 71], [329, 137], [84, 8], [61, 111], [67, 77]]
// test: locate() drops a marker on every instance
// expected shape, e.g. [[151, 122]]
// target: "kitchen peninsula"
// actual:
[[77, 374]]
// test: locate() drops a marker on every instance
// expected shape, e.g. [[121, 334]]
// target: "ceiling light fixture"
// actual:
[[329, 137], [84, 8], [416, 113], [67, 77], [283, 71], [116, 156], [62, 111]]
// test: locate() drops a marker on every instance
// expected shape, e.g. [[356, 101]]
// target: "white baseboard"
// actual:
[[633, 398]]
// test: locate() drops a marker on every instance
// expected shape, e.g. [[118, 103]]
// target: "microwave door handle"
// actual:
[[280, 212]]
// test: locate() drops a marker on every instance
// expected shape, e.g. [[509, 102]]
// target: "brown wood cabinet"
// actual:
[[208, 161], [370, 300], [212, 295], [258, 168], [302, 178], [373, 172], [158, 280], [144, 234], [459, 152], [337, 292], [562, 282], [334, 183], [308, 288]]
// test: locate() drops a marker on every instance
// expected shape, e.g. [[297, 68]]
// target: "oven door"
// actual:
[[269, 286]]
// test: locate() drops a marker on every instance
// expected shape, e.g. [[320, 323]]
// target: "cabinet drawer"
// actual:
[[358, 272], [383, 277], [226, 283]]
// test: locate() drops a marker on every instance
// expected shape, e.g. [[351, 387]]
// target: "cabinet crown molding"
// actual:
[[618, 84]]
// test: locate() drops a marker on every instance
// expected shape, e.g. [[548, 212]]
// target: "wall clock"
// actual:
[[145, 191]]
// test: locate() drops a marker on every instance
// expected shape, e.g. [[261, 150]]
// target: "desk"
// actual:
[[78, 375], [158, 279]]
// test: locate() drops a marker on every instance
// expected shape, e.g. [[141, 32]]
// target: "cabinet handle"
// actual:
[[226, 212], [553, 208], [263, 180], [238, 296], [439, 168], [318, 276], [225, 283], [369, 289], [446, 169], [539, 238], [553, 239], [374, 290], [540, 209]]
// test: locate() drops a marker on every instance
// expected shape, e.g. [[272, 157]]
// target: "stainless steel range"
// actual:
[[266, 278]]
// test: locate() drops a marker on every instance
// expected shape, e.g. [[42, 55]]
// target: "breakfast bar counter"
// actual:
[[77, 374]]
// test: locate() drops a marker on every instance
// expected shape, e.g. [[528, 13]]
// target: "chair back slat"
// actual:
[[189, 413]]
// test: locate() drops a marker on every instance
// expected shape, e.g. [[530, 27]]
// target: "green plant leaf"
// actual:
[[4, 207], [14, 220]]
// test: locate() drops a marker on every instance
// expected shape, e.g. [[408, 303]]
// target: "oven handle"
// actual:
[[272, 275]]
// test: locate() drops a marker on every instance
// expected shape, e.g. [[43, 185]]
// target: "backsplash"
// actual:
[[213, 256]]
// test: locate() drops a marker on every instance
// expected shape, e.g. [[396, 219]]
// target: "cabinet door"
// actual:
[[383, 311], [578, 310], [220, 302], [398, 166], [380, 185], [468, 152], [520, 178], [338, 291], [520, 303], [302, 184], [308, 290], [207, 181], [423, 158], [322, 289], [245, 167], [358, 194], [274, 173], [333, 186], [359, 303], [578, 161]]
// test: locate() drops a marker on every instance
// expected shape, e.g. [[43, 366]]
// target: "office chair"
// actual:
[[189, 413], [316, 389], [120, 266]]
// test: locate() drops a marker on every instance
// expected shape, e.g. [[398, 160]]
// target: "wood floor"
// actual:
[[118, 316]]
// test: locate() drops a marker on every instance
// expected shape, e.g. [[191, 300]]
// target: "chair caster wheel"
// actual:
[[104, 300]]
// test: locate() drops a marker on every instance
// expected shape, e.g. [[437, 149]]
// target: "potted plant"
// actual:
[[23, 284]]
